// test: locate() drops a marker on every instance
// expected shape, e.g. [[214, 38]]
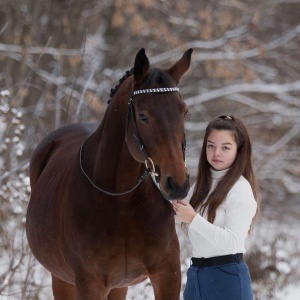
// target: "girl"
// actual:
[[222, 205]]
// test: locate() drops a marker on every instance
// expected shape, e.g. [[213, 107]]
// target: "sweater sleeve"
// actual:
[[240, 207]]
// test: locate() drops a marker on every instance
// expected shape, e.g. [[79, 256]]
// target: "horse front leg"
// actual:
[[117, 294], [92, 291], [166, 281], [90, 288], [63, 290]]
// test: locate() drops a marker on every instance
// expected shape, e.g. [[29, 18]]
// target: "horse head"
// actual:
[[155, 126]]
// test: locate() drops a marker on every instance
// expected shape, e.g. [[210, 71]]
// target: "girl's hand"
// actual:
[[184, 211]]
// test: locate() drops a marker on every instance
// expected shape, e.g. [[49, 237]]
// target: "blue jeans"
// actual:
[[225, 282]]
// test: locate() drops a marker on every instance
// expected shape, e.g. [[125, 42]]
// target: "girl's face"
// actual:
[[221, 149]]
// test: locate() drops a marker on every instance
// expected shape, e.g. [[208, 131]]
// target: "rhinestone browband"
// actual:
[[158, 90]]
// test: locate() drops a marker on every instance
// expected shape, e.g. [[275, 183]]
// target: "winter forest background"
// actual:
[[60, 58]]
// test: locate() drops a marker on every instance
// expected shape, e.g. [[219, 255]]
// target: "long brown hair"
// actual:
[[241, 166]]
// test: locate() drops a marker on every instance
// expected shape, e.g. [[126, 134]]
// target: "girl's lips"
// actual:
[[216, 160]]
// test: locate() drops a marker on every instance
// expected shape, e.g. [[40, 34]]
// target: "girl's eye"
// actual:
[[143, 118], [226, 148], [210, 146]]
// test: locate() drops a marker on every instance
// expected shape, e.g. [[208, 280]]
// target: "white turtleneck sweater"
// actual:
[[228, 233]]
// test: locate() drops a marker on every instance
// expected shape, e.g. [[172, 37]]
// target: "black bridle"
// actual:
[[131, 117]]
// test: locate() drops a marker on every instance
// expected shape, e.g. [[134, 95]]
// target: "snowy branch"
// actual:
[[244, 88], [38, 50]]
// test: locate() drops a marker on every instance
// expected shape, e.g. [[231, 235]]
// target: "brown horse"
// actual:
[[95, 219]]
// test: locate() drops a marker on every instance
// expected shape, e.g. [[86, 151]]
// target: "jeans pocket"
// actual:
[[229, 269]]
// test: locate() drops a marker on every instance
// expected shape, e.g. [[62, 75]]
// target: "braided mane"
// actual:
[[115, 89]]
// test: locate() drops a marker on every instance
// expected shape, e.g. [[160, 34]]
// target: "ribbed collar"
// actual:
[[218, 174]]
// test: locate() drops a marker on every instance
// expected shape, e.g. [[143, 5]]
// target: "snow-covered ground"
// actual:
[[290, 293], [144, 290]]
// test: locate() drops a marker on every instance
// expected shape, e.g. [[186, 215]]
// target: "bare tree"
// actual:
[[59, 59]]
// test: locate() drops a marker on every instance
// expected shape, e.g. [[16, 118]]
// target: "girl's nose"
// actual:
[[217, 152]]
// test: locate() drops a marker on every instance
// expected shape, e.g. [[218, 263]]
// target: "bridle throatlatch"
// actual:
[[150, 166]]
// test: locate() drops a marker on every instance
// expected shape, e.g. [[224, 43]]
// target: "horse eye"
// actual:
[[143, 118], [186, 113]]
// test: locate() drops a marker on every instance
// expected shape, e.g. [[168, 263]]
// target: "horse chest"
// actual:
[[125, 231]]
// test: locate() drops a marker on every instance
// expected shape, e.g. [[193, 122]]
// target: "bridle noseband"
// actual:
[[150, 167]]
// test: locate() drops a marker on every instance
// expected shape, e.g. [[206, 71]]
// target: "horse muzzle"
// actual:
[[176, 191], [169, 188]]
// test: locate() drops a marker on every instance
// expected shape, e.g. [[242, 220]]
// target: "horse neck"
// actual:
[[106, 154]]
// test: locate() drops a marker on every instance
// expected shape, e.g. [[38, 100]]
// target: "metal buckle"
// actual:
[[152, 168]]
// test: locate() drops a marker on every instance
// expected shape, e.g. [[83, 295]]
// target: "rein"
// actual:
[[131, 116], [143, 176]]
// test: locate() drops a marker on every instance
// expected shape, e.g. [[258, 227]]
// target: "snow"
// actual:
[[292, 292]]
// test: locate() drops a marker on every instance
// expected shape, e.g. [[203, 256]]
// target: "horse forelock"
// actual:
[[158, 78]]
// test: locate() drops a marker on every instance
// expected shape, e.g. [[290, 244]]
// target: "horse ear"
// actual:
[[141, 66], [181, 66]]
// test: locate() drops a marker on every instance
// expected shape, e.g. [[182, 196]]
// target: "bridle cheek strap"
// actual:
[[131, 117]]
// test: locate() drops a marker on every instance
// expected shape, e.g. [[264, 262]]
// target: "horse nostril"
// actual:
[[170, 184], [176, 191]]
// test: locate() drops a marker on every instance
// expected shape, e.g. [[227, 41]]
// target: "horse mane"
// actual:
[[115, 89]]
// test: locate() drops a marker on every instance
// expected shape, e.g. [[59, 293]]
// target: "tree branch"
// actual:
[[37, 50]]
